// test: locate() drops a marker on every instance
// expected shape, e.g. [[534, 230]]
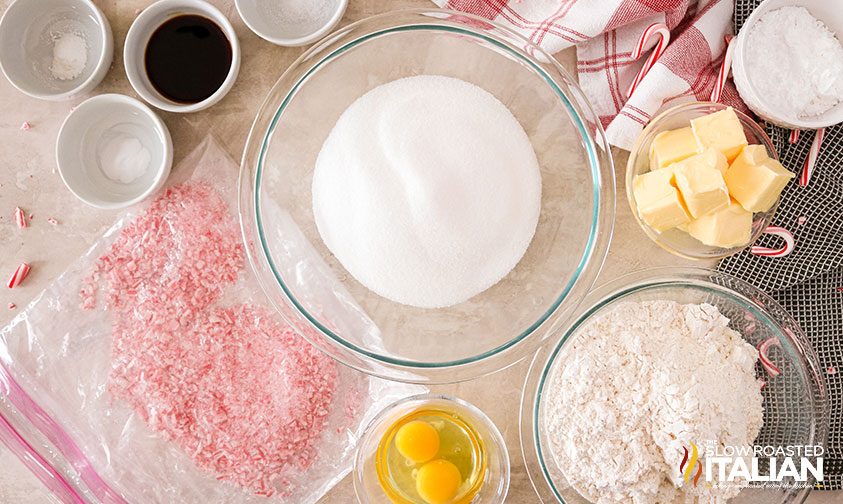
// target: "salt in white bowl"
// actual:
[[80, 139], [28, 30]]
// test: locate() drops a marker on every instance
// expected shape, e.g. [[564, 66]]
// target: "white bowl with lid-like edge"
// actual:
[[79, 140], [265, 27], [831, 14], [27, 31]]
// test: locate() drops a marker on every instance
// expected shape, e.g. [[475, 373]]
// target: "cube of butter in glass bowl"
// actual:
[[696, 216]]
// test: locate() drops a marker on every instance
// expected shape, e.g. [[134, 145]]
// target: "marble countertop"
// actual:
[[28, 179]]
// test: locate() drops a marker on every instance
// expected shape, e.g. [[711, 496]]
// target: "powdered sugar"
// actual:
[[795, 62], [236, 390], [641, 382]]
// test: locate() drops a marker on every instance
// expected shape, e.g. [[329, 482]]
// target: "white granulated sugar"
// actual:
[[795, 63], [427, 190], [70, 55], [640, 382], [122, 157], [296, 18]]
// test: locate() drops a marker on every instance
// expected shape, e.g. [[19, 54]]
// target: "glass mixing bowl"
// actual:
[[676, 241], [315, 293], [795, 402], [495, 458]]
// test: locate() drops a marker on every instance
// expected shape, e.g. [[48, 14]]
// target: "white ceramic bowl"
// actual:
[[276, 20], [27, 35], [80, 140], [141, 30], [830, 13]]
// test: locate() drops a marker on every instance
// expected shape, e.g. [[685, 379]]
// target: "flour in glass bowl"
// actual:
[[639, 383]]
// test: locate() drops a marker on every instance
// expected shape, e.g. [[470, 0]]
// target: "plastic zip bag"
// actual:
[[114, 389]]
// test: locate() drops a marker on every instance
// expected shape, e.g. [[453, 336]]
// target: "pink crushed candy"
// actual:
[[25, 126], [52, 221], [236, 389], [20, 219], [18, 276], [12, 306], [802, 220], [832, 370]]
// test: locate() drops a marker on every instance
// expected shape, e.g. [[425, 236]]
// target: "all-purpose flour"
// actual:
[[427, 191], [641, 382]]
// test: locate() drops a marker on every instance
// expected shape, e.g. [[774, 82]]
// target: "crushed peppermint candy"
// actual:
[[20, 218], [52, 221], [236, 389], [25, 126], [18, 276], [12, 306]]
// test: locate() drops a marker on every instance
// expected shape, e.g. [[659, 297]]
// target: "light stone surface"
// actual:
[[28, 180]]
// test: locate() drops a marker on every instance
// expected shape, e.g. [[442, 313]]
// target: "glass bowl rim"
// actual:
[[643, 280], [630, 174], [497, 437], [602, 175]]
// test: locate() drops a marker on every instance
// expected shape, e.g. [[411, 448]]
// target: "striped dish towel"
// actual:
[[607, 33]]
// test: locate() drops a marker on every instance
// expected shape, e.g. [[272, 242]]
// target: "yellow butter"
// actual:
[[659, 203], [755, 180], [701, 183], [722, 131], [728, 227], [671, 146]]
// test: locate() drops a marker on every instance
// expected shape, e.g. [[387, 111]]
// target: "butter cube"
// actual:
[[659, 203], [756, 180], [722, 131], [728, 227], [671, 146], [701, 184]]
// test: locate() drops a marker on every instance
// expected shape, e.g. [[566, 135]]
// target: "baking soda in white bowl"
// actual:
[[427, 191]]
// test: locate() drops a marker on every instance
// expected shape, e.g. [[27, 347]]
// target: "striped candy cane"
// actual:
[[786, 249], [766, 362], [654, 29], [794, 137], [725, 67], [18, 276], [811, 160]]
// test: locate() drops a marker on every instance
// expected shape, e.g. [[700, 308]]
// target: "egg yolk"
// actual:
[[437, 482], [417, 441]]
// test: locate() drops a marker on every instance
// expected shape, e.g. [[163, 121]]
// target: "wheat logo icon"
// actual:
[[686, 467]]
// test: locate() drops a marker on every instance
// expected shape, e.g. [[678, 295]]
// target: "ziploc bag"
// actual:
[[153, 371]]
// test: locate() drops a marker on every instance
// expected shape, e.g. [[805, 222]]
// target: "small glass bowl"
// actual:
[[495, 480], [795, 402], [677, 241]]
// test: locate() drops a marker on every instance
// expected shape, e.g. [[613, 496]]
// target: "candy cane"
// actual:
[[20, 218], [18, 276], [811, 160], [794, 137], [723, 74], [766, 363], [25, 126], [663, 32], [786, 249]]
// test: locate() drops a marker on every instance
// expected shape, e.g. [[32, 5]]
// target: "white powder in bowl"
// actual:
[[70, 55], [640, 383], [427, 190], [795, 63]]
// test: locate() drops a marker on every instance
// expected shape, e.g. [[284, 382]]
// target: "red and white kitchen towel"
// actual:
[[607, 34]]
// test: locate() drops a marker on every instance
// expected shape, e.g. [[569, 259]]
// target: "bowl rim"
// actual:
[[142, 28], [104, 58], [638, 150], [335, 18], [641, 280], [424, 398], [594, 252], [163, 170]]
